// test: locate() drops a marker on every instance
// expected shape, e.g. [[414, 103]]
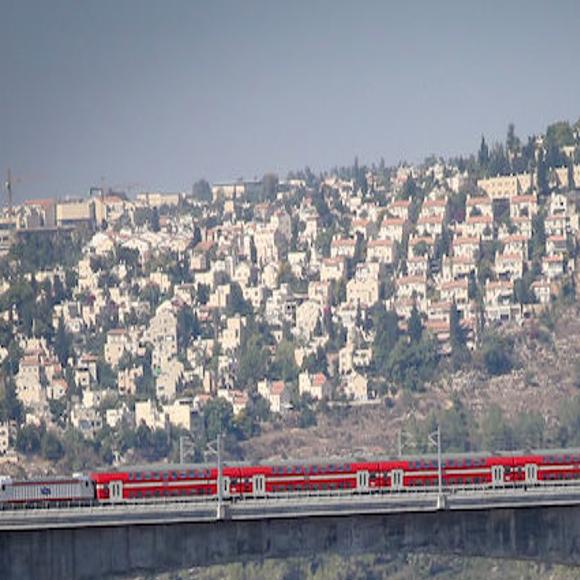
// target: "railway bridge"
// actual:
[[91, 542]]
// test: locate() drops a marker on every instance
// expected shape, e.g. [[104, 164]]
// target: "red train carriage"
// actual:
[[331, 476], [338, 476], [547, 466], [168, 481]]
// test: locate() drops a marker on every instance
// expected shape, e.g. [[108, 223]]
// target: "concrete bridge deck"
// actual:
[[90, 542]]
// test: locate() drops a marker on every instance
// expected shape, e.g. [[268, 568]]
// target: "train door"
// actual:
[[497, 475], [116, 490], [226, 483], [397, 479], [259, 485], [531, 473], [362, 480]]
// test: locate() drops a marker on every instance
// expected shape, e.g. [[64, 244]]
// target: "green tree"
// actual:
[[269, 186], [237, 303], [455, 426], [10, 405], [415, 325], [284, 364], [203, 293], [483, 155], [316, 362], [411, 365], [106, 376], [154, 221], [28, 439], [457, 338], [569, 415], [538, 242], [62, 343], [306, 412], [202, 190], [217, 418], [512, 141], [497, 355], [386, 324], [188, 327], [529, 431], [542, 174], [496, 433], [51, 447]]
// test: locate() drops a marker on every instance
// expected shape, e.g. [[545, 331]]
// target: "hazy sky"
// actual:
[[160, 93]]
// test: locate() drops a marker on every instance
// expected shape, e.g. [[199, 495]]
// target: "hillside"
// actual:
[[544, 381]]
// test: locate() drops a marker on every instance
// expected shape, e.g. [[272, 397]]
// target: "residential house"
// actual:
[[382, 251], [333, 269], [277, 393], [344, 248], [147, 412], [315, 385], [356, 387]]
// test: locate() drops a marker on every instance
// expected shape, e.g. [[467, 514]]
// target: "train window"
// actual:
[[314, 469], [347, 467], [468, 462], [138, 476], [147, 476], [165, 476]]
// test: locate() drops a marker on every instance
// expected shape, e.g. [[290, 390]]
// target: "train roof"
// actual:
[[340, 460], [43, 479]]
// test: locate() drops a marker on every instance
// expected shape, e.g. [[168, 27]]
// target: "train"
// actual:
[[268, 480]]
